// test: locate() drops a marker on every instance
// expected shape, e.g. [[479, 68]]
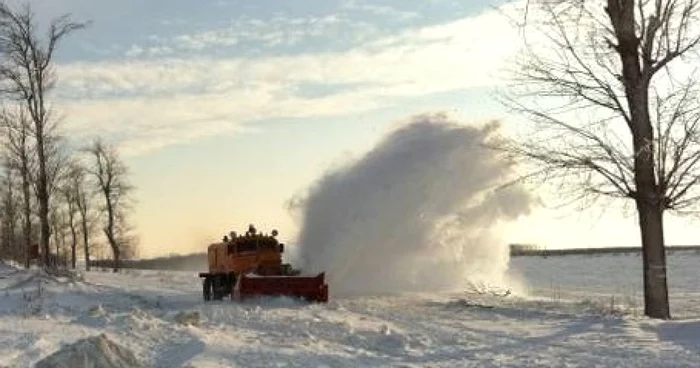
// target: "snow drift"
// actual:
[[420, 211], [96, 351]]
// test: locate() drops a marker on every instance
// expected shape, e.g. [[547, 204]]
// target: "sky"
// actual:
[[225, 110]]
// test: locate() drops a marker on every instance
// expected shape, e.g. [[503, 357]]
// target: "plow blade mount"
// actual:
[[311, 288]]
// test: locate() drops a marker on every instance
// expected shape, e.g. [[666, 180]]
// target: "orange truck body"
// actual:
[[250, 265]]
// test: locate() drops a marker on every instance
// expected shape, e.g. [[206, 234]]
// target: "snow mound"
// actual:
[[36, 278], [96, 351], [7, 268]]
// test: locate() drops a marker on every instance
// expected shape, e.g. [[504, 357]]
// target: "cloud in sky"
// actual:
[[244, 31], [153, 101], [381, 10]]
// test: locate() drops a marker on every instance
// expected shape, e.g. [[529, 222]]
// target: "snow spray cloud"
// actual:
[[418, 212]]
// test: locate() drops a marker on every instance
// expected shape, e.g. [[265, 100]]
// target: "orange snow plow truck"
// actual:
[[250, 265]]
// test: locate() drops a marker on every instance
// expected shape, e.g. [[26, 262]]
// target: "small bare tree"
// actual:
[[27, 76], [83, 197], [78, 195], [616, 109], [110, 176], [56, 215], [70, 190]]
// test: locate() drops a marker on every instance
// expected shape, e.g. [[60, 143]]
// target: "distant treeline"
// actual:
[[198, 261], [190, 262], [517, 251]]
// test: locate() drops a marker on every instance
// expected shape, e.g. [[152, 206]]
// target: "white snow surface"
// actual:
[[581, 311]]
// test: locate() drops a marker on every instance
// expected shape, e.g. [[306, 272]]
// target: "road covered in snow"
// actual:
[[160, 317]]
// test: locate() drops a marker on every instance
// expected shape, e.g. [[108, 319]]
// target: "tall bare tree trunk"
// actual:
[[649, 204], [109, 232], [74, 241], [55, 233], [9, 218], [27, 218], [82, 203], [650, 209], [43, 194], [86, 244], [64, 254]]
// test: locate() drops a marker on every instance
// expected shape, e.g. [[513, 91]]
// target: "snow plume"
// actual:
[[418, 212]]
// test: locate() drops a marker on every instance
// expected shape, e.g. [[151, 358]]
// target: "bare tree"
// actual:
[[616, 110], [56, 166], [110, 175], [19, 153], [71, 213], [83, 201], [72, 190], [57, 227], [26, 76]]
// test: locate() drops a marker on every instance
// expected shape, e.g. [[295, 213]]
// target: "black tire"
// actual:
[[216, 286], [206, 288], [221, 286]]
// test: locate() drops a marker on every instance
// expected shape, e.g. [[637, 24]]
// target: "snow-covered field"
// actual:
[[580, 311]]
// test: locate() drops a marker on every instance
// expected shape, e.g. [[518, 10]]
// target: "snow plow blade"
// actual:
[[310, 288]]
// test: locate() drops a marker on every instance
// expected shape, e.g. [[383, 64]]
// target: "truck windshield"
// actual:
[[269, 244], [247, 246]]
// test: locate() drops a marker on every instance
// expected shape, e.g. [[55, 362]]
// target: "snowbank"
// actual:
[[158, 319], [98, 351]]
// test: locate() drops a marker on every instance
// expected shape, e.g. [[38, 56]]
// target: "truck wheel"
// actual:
[[206, 288], [219, 287]]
